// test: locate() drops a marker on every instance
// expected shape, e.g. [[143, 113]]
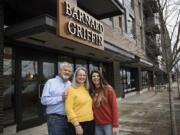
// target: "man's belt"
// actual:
[[58, 115]]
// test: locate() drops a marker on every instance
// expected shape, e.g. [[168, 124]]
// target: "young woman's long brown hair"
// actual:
[[103, 84]]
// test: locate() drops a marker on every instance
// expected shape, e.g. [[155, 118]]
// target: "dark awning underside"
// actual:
[[101, 9], [20, 10]]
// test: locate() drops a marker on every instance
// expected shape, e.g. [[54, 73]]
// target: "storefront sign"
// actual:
[[75, 24]]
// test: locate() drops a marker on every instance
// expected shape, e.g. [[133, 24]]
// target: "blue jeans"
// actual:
[[56, 125], [103, 129]]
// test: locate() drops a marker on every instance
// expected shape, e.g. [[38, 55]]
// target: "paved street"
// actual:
[[143, 114]]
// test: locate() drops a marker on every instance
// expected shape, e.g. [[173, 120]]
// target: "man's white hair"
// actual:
[[62, 64]]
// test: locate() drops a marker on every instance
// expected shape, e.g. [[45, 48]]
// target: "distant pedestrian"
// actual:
[[53, 97], [78, 105], [104, 105]]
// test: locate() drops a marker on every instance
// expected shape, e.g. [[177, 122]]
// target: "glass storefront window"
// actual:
[[103, 67], [29, 70], [93, 66], [8, 83], [65, 59], [126, 79], [145, 79], [89, 65], [29, 81], [7, 67], [29, 73], [48, 70], [80, 62]]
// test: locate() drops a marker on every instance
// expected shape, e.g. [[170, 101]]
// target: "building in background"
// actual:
[[109, 35], [153, 40]]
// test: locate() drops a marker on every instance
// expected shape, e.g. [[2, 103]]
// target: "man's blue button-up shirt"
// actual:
[[52, 95]]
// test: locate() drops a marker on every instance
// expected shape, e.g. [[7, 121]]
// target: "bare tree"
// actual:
[[170, 42]]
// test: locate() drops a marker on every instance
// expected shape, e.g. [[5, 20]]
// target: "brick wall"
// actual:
[[118, 37], [1, 64]]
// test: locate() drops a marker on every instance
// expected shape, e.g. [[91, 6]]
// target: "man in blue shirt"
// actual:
[[53, 97]]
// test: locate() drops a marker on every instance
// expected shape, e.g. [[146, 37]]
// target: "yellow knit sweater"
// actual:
[[78, 105]]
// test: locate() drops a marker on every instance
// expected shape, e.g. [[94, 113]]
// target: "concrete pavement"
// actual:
[[176, 102], [145, 114], [149, 113], [142, 114], [39, 130]]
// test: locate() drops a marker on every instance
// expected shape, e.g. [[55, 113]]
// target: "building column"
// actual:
[[151, 80], [112, 76], [138, 79], [1, 63], [116, 74]]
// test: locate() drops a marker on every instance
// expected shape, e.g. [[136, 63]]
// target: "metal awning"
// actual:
[[121, 55], [145, 62], [139, 62], [41, 31], [101, 9]]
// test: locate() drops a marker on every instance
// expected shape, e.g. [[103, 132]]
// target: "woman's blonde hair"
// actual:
[[74, 82]]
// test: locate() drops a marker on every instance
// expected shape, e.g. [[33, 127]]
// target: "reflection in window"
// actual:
[[104, 70], [29, 89], [145, 78], [65, 59], [127, 83], [29, 70], [80, 62], [93, 66], [48, 70], [8, 83], [128, 79], [7, 66]]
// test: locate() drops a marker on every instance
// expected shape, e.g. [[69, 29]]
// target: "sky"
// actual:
[[173, 9]]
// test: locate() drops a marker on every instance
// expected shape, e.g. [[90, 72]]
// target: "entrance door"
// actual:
[[32, 74]]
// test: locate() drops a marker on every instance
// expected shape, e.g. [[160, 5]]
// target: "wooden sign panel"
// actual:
[[75, 24]]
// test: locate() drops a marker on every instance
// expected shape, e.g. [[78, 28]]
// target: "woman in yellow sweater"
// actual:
[[78, 105]]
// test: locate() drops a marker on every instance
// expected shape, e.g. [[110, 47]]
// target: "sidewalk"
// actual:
[[141, 114], [145, 114], [39, 130], [176, 102]]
